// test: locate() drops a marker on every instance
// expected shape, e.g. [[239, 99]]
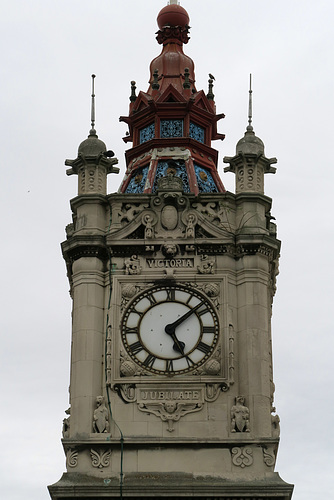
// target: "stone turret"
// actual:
[[92, 165], [250, 163], [93, 162]]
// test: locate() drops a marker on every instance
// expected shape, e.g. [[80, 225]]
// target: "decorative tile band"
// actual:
[[171, 128], [147, 133], [196, 132], [138, 181]]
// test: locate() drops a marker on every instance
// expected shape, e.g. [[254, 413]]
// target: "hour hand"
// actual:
[[178, 345]]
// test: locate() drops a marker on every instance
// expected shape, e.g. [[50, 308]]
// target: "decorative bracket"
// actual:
[[127, 392], [212, 391]]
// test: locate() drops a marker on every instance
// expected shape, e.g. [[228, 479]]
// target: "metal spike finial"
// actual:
[[133, 96], [250, 106], [93, 131], [210, 95]]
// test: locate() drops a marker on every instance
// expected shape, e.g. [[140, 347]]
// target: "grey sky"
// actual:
[[49, 50]]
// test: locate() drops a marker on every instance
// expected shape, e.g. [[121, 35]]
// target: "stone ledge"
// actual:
[[239, 438], [170, 486]]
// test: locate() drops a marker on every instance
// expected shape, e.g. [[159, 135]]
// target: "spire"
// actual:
[[93, 131], [250, 104], [250, 143], [169, 68], [92, 145]]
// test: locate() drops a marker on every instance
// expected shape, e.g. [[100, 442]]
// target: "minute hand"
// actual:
[[171, 327]]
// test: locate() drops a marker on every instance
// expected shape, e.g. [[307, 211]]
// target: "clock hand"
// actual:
[[178, 345], [170, 329]]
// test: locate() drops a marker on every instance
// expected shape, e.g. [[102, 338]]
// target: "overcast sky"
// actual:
[[49, 50]]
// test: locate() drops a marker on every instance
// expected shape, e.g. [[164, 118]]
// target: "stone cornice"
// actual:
[[253, 198], [172, 442], [89, 199], [84, 246], [92, 160], [250, 244]]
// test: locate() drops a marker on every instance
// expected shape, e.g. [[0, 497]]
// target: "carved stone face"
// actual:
[[170, 407], [99, 401], [170, 249]]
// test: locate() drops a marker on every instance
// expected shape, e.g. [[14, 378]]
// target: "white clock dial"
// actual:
[[170, 330]]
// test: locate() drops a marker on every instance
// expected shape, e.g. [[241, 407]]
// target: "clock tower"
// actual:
[[172, 281]]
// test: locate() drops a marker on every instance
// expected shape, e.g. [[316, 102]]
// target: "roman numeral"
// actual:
[[149, 361], [151, 299], [169, 365], [202, 311], [189, 361], [131, 330], [209, 329], [136, 347], [203, 347], [170, 294], [189, 299], [140, 314]]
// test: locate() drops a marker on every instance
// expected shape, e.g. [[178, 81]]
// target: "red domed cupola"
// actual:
[[171, 65], [172, 121]]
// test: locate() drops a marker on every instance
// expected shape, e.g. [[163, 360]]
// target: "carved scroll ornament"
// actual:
[[100, 458], [242, 457], [269, 456], [72, 457]]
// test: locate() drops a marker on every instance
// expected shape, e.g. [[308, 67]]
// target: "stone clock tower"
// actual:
[[172, 281]]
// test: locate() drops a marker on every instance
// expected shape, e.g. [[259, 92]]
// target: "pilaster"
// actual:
[[87, 342]]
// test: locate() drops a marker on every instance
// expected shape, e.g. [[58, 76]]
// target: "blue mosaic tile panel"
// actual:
[[178, 169], [146, 133], [138, 180], [196, 132], [204, 180], [171, 128]]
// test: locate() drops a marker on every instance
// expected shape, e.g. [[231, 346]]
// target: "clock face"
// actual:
[[169, 330]]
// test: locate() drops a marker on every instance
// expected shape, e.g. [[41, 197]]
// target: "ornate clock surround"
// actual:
[[214, 368]]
